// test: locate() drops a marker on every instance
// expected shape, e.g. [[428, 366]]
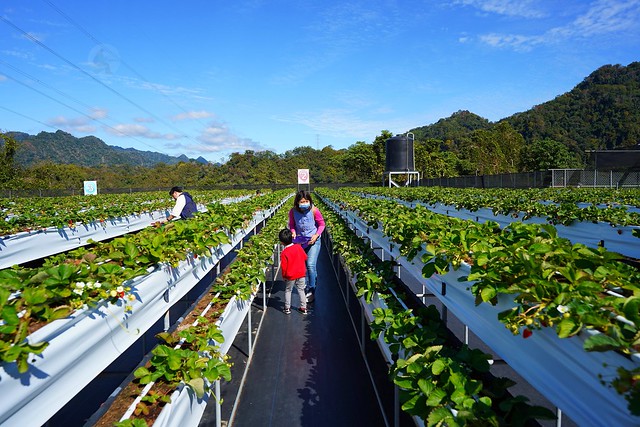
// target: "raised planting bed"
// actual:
[[81, 345], [560, 369], [150, 396]]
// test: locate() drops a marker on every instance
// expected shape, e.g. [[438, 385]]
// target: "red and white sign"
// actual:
[[303, 176]]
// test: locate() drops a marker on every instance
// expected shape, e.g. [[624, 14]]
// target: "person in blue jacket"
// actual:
[[307, 224], [185, 207]]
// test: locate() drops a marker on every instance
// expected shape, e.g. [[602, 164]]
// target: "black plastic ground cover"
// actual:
[[306, 370]]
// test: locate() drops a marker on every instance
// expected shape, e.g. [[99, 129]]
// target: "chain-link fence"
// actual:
[[550, 178], [594, 178], [505, 180]]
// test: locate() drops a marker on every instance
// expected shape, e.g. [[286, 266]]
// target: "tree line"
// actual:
[[498, 149]]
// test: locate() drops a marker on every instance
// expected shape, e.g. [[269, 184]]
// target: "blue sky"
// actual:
[[210, 77]]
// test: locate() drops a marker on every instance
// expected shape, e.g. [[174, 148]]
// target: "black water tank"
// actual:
[[399, 154]]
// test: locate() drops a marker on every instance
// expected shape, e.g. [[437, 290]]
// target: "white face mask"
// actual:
[[304, 206]]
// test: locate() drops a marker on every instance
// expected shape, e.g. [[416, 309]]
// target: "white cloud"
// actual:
[[602, 17], [521, 8], [217, 137], [607, 16], [192, 115], [515, 41], [99, 113], [144, 120], [137, 130], [78, 124], [34, 36], [83, 124], [342, 123], [19, 54], [161, 88]]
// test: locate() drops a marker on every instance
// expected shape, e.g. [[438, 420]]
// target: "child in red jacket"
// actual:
[[294, 270]]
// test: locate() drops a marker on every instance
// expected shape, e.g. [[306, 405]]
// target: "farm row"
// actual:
[[36, 214], [556, 206], [66, 320], [570, 302]]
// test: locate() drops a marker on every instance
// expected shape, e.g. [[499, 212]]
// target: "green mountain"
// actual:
[[460, 124], [602, 112], [63, 148]]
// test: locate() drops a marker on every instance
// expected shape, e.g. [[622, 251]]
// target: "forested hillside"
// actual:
[[454, 128], [602, 112], [63, 148]]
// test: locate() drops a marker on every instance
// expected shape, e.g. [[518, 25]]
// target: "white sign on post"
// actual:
[[90, 188], [303, 176]]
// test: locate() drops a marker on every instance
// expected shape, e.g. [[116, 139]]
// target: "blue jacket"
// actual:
[[189, 208]]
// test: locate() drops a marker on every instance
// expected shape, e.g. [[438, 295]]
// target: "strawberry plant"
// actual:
[[553, 282], [191, 356], [441, 382], [36, 213], [193, 359], [558, 206], [32, 297]]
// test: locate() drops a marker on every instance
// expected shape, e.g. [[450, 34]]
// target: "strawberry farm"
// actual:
[[446, 290]]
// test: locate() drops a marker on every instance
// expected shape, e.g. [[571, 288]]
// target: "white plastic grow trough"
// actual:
[[617, 238], [185, 409], [84, 344], [560, 369], [31, 245]]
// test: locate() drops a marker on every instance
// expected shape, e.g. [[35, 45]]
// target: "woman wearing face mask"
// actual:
[[306, 224]]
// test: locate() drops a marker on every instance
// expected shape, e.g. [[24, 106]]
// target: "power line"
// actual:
[[122, 61], [25, 74], [79, 112], [100, 82], [29, 118]]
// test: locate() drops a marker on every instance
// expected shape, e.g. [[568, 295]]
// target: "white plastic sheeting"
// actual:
[[84, 344], [560, 369]]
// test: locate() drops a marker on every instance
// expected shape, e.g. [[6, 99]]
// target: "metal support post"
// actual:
[[445, 311], [396, 407], [558, 417], [249, 334], [264, 291], [167, 321], [218, 405]]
